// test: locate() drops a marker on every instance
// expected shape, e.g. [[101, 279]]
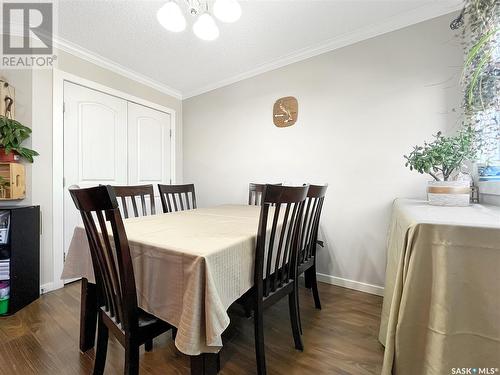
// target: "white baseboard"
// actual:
[[49, 287], [351, 284], [339, 281], [45, 288]]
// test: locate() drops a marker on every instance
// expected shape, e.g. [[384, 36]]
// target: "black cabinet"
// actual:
[[23, 250]]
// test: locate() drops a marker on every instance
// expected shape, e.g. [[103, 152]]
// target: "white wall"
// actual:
[[360, 109]]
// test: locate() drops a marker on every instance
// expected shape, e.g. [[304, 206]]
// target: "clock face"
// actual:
[[285, 112]]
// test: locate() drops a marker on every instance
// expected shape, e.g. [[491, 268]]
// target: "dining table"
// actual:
[[441, 305], [189, 267]]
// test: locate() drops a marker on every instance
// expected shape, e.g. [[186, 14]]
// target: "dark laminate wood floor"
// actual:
[[340, 339]]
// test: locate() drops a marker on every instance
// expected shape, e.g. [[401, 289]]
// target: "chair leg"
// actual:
[[298, 312], [102, 347], [307, 279], [148, 345], [314, 287], [294, 318], [131, 359], [259, 341], [247, 306]]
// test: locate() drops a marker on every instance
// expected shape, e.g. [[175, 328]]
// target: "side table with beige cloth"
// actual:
[[189, 267], [441, 305]]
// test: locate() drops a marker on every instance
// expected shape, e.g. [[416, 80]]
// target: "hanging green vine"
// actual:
[[480, 22]]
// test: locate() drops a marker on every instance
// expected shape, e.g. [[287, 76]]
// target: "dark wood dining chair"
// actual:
[[255, 193], [177, 197], [276, 255], [309, 241], [114, 274], [133, 193]]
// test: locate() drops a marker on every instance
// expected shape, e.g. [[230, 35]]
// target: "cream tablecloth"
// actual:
[[442, 294], [189, 267]]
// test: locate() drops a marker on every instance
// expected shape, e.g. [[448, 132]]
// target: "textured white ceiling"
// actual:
[[269, 34]]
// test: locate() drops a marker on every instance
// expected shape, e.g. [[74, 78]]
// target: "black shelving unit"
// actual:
[[23, 249]]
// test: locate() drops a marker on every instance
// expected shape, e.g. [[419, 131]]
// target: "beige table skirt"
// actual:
[[189, 267], [441, 306]]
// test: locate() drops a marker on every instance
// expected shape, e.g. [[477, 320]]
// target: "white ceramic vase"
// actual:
[[449, 193]]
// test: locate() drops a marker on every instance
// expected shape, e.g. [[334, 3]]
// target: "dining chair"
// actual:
[[177, 197], [275, 271], [255, 193], [309, 240], [114, 275], [133, 193]]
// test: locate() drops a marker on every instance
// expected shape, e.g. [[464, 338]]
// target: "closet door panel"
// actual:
[[148, 146], [95, 145]]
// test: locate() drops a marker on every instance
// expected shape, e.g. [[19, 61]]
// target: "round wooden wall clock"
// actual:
[[285, 111]]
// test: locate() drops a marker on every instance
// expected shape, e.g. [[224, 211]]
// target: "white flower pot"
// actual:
[[449, 193]]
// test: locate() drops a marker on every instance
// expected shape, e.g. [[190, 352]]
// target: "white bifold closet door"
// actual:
[[110, 141], [149, 148]]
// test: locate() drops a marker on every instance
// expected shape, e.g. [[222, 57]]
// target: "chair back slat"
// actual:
[[110, 264], [283, 235], [132, 193], [271, 246], [310, 225], [143, 204], [180, 201], [97, 254], [124, 205], [134, 205], [255, 193], [177, 197], [308, 218], [275, 264], [110, 253], [291, 226]]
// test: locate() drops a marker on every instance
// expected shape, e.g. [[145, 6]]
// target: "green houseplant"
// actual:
[[441, 158], [444, 155], [12, 136], [479, 22]]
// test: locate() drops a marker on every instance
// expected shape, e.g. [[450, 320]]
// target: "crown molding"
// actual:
[[78, 51], [396, 22], [399, 21], [94, 58]]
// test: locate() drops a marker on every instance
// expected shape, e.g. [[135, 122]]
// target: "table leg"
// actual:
[[205, 364], [88, 315]]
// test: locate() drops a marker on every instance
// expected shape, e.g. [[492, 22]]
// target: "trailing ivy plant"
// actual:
[[12, 135], [444, 155], [480, 23]]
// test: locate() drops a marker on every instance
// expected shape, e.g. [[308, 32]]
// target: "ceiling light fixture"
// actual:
[[205, 27], [172, 18]]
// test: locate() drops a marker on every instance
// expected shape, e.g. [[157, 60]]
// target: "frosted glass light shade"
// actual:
[[205, 27], [171, 18], [227, 10]]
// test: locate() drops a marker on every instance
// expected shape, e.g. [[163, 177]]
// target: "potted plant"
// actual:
[[442, 159], [4, 184], [12, 135]]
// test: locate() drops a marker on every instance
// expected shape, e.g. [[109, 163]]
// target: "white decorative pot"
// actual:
[[449, 193]]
